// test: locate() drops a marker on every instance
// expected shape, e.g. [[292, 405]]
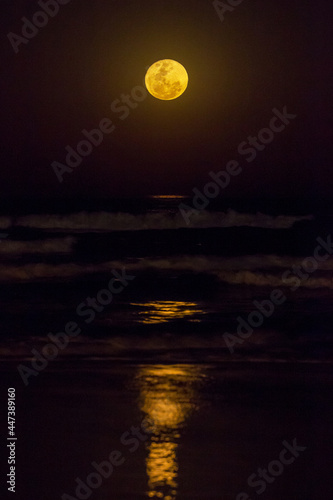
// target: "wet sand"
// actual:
[[210, 428]]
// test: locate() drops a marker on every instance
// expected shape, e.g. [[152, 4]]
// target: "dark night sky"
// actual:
[[264, 55]]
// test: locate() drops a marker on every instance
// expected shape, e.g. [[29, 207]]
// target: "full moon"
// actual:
[[166, 79]]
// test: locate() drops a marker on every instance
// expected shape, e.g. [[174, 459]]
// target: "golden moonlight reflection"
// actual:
[[168, 396], [161, 311]]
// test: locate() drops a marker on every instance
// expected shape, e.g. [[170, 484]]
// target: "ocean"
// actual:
[[190, 283], [219, 332]]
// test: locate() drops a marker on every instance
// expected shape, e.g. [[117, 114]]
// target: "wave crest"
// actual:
[[155, 220], [258, 270], [48, 246]]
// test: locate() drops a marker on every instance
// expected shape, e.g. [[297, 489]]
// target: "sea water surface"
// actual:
[[211, 427], [157, 349], [188, 284]]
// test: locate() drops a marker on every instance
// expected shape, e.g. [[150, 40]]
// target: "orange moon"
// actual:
[[166, 79]]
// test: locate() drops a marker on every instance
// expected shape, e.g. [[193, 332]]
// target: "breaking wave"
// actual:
[[154, 220], [37, 247], [255, 270]]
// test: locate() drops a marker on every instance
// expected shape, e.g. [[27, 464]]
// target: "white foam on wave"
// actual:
[[257, 270], [48, 246], [156, 220]]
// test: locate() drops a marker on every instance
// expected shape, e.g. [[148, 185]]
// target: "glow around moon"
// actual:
[[166, 79]]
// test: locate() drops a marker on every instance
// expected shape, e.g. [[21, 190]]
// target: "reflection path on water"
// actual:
[[161, 311], [168, 396]]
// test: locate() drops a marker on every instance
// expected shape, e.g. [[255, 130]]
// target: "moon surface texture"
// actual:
[[166, 79]]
